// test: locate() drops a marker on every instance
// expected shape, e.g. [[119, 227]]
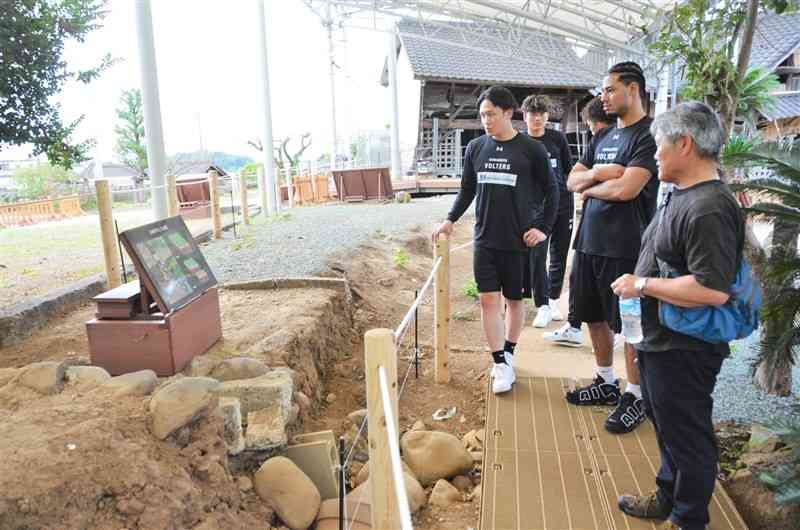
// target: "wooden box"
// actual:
[[164, 345]]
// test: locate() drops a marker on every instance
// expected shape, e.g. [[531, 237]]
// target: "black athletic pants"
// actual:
[[547, 285], [677, 387]]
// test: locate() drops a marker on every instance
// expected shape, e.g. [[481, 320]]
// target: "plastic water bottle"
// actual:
[[630, 309]]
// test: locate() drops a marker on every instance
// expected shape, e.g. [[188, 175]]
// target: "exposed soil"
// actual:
[[80, 460]]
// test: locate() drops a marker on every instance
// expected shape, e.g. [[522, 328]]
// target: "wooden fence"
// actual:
[[31, 212]]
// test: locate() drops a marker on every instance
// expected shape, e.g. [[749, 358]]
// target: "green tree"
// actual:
[[33, 36], [42, 180], [777, 197], [130, 147], [711, 40]]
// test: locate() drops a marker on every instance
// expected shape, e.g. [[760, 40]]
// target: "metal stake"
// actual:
[[416, 338], [342, 472], [121, 258]]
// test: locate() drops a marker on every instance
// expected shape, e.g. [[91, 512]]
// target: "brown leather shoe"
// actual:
[[644, 506]]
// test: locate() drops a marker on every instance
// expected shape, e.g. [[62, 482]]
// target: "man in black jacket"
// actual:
[[516, 205], [547, 283]]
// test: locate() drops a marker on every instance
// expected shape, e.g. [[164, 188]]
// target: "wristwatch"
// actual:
[[639, 285]]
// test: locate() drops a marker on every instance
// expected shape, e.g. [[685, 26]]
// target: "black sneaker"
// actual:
[[628, 415], [598, 393]]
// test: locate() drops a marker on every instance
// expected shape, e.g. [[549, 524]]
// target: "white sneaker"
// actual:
[[503, 377], [555, 312], [566, 335], [543, 316]]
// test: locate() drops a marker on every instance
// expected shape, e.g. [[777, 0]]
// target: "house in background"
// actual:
[[120, 177], [446, 79], [776, 47], [7, 169]]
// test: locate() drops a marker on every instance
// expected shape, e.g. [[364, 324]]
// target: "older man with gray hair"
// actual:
[[698, 232]]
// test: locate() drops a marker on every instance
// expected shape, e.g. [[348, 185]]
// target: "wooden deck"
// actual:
[[550, 465]]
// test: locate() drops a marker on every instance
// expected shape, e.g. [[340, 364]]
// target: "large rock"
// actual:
[[140, 383], [444, 494], [180, 403], [357, 417], [201, 366], [261, 392], [86, 377], [289, 491], [462, 483], [434, 455], [762, 440], [239, 368], [45, 377], [363, 473], [414, 492], [266, 429], [473, 440], [231, 411]]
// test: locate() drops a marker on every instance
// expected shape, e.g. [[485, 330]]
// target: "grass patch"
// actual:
[[245, 242], [470, 290], [400, 258], [466, 316]]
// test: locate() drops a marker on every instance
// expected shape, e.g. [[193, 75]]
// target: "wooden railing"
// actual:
[[31, 212]]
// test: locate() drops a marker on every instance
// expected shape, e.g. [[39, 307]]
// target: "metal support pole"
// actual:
[[266, 125], [332, 70], [342, 476], [152, 108], [395, 115], [121, 257]]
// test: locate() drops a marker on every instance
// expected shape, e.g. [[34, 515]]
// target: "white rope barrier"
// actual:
[[394, 451], [413, 307], [465, 245]]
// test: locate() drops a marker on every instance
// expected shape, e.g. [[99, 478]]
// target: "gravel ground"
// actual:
[[737, 398], [301, 242]]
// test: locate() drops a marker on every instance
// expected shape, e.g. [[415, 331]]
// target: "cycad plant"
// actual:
[[785, 479], [775, 195]]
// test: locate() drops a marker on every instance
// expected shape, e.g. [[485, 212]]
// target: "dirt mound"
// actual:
[[81, 461]]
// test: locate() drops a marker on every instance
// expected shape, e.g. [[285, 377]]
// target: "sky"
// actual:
[[208, 70]]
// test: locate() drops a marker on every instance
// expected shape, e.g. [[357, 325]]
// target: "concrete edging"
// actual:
[[287, 283]]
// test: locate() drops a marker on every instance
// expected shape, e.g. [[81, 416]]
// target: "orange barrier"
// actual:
[[310, 190], [31, 212]]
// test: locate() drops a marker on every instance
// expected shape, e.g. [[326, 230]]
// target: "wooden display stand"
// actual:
[[138, 327]]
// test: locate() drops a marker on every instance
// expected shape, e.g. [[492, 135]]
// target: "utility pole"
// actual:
[[152, 108], [269, 161], [335, 145]]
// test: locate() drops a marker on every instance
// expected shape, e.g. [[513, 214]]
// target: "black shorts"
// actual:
[[499, 270], [590, 295]]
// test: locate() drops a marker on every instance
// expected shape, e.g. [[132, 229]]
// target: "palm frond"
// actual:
[[785, 192], [773, 211]]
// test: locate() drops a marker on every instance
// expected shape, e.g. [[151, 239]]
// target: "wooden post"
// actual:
[[278, 196], [172, 196], [243, 199], [441, 332], [379, 351], [216, 214], [109, 236], [290, 185], [262, 191]]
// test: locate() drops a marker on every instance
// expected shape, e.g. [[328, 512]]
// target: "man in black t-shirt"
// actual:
[[599, 123], [699, 233], [617, 179], [515, 209], [546, 285]]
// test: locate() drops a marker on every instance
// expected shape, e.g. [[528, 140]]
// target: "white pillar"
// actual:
[[266, 113], [152, 108], [662, 96], [332, 73], [395, 119]]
